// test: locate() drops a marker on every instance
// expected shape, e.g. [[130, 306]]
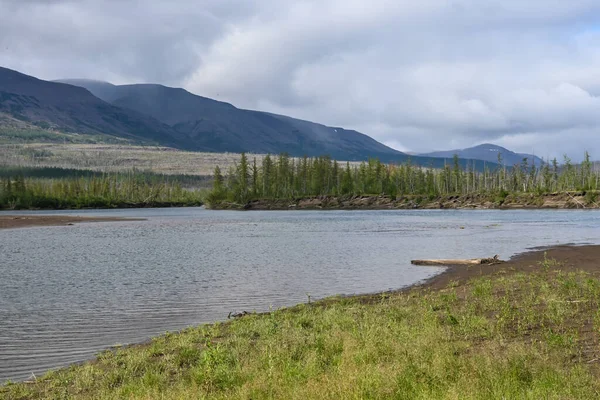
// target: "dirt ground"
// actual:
[[24, 221], [576, 258]]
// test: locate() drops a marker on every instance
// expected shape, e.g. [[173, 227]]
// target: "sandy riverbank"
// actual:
[[25, 221], [571, 258]]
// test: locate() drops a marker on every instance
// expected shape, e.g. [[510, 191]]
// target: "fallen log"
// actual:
[[471, 261]]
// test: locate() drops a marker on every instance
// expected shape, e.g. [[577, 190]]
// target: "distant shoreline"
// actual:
[[562, 200]]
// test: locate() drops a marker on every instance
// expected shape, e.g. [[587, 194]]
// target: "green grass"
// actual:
[[511, 336]]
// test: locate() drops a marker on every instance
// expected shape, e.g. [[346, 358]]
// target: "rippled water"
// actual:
[[68, 292]]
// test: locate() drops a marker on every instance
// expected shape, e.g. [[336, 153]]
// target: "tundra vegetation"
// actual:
[[282, 177], [510, 335]]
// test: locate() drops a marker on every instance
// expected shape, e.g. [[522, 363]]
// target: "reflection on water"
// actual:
[[68, 292]]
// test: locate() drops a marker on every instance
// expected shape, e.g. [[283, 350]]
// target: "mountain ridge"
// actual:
[[487, 152], [220, 126], [75, 109], [174, 117]]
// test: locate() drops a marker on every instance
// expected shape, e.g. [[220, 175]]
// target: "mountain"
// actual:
[[222, 127], [102, 90], [74, 109], [489, 153], [177, 118]]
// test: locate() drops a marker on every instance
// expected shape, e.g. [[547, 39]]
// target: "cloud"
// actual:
[[418, 76], [119, 40]]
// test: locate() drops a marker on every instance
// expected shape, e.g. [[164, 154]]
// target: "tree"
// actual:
[[347, 181], [9, 186], [555, 173], [254, 178], [457, 175], [586, 172], [288, 177], [267, 176], [218, 180]]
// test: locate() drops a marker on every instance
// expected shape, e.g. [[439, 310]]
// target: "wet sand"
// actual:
[[25, 221]]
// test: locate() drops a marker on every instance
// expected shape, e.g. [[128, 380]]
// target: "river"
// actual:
[[68, 292]]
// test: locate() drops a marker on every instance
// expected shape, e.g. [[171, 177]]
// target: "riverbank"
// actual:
[[27, 221], [95, 205], [564, 200], [523, 329]]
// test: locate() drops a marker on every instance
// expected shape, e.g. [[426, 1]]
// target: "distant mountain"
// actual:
[[177, 118], [489, 153], [74, 109], [102, 90], [221, 127]]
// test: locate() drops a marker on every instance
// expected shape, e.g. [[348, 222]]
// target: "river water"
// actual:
[[68, 292]]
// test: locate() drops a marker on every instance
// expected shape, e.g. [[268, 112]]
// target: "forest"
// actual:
[[283, 177], [63, 189]]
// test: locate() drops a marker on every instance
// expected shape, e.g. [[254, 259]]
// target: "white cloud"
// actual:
[[419, 76]]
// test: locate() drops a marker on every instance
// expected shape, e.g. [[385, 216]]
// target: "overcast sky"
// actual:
[[416, 75]]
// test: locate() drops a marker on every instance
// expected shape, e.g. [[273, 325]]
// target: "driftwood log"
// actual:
[[471, 261]]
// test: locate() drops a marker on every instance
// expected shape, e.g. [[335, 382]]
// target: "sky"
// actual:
[[416, 75]]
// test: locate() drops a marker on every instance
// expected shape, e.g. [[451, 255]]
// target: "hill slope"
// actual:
[[219, 126], [74, 109], [489, 153], [102, 90]]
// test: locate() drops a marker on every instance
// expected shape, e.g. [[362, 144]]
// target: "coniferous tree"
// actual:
[[254, 178], [315, 176]]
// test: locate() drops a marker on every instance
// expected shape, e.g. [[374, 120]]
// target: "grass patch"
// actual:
[[511, 336], [547, 262]]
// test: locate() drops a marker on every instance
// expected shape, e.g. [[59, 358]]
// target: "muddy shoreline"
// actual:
[[28, 221], [569, 257]]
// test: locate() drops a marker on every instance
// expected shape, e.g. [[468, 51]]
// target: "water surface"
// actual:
[[68, 292]]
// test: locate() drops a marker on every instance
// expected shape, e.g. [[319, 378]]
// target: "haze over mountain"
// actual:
[[487, 152]]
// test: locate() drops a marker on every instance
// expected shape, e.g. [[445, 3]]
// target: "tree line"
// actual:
[[282, 176], [185, 180], [106, 191]]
